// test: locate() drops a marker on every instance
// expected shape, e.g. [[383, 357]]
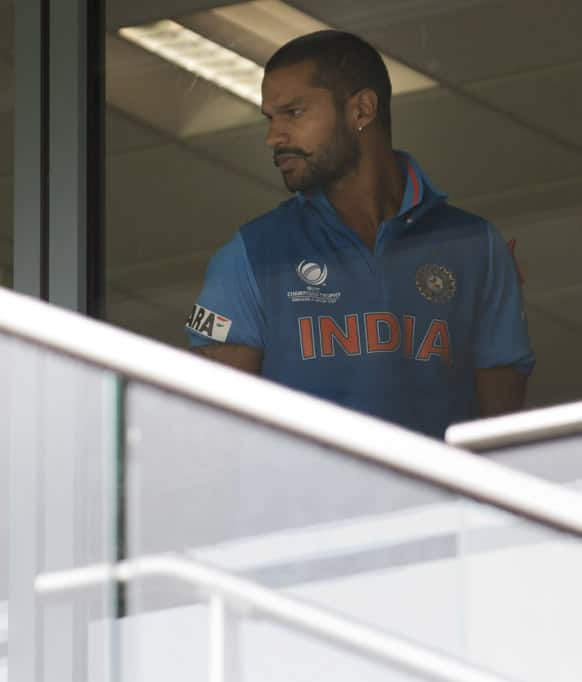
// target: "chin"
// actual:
[[299, 184], [293, 184]]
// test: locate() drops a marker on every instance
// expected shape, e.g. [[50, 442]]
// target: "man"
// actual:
[[365, 288]]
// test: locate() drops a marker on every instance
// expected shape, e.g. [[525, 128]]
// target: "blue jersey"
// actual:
[[396, 332]]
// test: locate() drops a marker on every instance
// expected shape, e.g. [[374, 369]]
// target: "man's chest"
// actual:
[[415, 300]]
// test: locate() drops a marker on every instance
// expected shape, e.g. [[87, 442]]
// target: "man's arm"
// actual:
[[240, 357], [500, 390]]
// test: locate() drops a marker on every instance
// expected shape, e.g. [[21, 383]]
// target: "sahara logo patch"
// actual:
[[208, 323], [436, 283], [312, 273]]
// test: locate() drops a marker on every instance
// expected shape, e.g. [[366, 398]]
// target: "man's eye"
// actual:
[[295, 112]]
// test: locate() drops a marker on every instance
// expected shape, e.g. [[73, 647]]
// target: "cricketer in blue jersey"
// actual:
[[366, 288]]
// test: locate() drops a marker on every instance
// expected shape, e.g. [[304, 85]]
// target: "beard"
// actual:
[[327, 164]]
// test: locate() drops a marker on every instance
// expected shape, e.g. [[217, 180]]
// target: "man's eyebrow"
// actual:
[[288, 105]]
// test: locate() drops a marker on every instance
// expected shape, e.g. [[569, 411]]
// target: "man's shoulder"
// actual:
[[449, 222], [454, 216], [274, 221]]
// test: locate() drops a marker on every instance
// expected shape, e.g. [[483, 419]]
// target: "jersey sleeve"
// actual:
[[501, 335], [229, 308]]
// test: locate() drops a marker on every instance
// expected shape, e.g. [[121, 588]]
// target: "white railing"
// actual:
[[496, 432], [225, 588], [345, 431]]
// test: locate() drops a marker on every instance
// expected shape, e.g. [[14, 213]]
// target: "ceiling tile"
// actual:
[[550, 99], [564, 304], [133, 12], [367, 13], [124, 134], [167, 97], [531, 200], [245, 150], [476, 41], [471, 151], [166, 201], [557, 377], [160, 315], [548, 251]]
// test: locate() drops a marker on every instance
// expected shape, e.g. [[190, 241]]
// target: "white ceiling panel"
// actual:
[[162, 202], [470, 42], [133, 12], [549, 251], [530, 200], [124, 134], [160, 316], [565, 306], [358, 15], [470, 150], [550, 99], [167, 97], [245, 150], [151, 277], [558, 374]]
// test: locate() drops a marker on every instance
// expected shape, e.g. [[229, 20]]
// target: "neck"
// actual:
[[370, 194]]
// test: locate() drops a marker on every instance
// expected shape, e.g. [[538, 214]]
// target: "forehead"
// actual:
[[289, 82]]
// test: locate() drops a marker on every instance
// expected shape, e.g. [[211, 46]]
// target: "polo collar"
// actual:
[[420, 194], [414, 184]]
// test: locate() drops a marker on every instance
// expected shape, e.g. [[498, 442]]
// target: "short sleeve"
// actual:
[[501, 335], [228, 309]]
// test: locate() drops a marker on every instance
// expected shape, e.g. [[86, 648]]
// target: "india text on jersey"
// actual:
[[383, 333]]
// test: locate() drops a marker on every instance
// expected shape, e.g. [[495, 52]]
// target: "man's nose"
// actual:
[[276, 135]]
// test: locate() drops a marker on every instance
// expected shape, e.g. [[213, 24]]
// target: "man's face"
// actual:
[[311, 141]]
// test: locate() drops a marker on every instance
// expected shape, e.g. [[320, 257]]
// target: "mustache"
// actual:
[[288, 151]]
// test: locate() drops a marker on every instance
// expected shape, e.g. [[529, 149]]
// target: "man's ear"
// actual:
[[363, 108]]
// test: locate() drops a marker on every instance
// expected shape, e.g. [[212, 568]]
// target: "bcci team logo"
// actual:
[[436, 283], [312, 273]]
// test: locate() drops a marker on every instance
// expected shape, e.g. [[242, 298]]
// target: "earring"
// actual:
[[360, 128]]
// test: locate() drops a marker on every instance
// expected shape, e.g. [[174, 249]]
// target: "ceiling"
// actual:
[[186, 162]]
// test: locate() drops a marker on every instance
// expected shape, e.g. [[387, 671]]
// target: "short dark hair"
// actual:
[[344, 64]]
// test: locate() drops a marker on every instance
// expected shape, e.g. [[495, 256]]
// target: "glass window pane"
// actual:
[[188, 164], [369, 544], [57, 472]]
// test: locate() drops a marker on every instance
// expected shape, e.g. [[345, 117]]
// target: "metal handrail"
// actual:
[[513, 429], [340, 630], [346, 431]]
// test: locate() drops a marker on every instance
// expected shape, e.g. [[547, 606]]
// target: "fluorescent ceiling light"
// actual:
[[192, 52], [272, 21]]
